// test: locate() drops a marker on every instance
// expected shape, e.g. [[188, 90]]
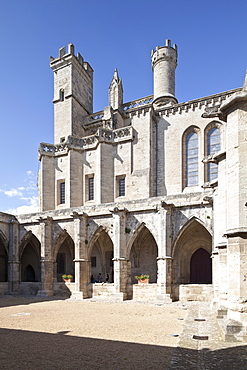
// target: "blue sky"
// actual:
[[212, 57]]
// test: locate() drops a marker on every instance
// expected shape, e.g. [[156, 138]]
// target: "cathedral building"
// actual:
[[150, 187]]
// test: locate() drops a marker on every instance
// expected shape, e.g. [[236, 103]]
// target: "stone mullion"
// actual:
[[13, 258], [81, 258], [46, 261]]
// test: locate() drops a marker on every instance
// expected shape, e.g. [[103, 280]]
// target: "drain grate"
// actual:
[[200, 337], [199, 319]]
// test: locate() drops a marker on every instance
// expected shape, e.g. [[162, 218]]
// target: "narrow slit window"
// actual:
[[90, 188], [61, 95], [62, 192], [121, 187]]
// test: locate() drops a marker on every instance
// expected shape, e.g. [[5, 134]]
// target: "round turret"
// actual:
[[164, 63]]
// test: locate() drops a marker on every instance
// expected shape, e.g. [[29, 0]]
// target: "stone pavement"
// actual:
[[201, 345]]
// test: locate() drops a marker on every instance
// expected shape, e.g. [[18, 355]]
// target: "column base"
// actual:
[[77, 296], [164, 298]]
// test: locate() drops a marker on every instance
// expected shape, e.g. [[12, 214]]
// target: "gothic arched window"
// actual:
[[213, 146], [192, 159]]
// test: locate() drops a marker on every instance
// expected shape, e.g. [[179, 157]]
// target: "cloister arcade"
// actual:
[[190, 257]]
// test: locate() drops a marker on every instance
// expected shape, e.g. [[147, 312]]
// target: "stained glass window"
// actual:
[[213, 141], [192, 159]]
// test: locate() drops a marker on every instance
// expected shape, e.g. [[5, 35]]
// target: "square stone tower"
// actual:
[[73, 93]]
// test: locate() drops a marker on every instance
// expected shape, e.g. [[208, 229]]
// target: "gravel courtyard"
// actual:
[[64, 334]]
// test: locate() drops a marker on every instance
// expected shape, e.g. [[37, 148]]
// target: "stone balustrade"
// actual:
[[88, 142]]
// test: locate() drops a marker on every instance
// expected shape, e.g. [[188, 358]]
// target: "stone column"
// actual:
[[237, 278], [215, 277], [13, 258], [222, 275], [47, 261], [164, 259], [121, 264], [81, 261]]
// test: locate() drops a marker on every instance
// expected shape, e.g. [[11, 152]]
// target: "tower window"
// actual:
[[213, 146], [61, 94], [90, 188], [192, 159], [62, 192], [121, 187]]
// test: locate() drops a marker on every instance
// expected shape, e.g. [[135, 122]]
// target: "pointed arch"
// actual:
[[3, 257], [94, 238], [193, 236], [133, 236], [190, 149], [143, 252], [210, 125], [212, 145], [24, 241], [186, 226], [30, 255], [4, 240], [60, 240], [64, 255], [100, 253]]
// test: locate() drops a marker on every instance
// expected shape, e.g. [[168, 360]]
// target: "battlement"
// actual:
[[64, 55], [166, 52], [167, 45]]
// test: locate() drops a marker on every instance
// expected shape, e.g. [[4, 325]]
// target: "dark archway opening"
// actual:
[[201, 267], [3, 263], [30, 261], [102, 259], [29, 273], [65, 258]]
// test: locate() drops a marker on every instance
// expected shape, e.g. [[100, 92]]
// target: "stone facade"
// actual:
[[151, 187]]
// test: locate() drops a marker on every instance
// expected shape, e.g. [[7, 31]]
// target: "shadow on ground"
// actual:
[[22, 349], [9, 300]]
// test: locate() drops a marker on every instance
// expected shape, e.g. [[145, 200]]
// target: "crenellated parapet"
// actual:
[[64, 57], [210, 105]]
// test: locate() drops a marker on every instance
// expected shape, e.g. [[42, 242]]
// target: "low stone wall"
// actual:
[[196, 292], [145, 292], [102, 290], [3, 288]]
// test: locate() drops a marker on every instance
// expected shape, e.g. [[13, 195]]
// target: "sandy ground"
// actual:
[[63, 334]]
